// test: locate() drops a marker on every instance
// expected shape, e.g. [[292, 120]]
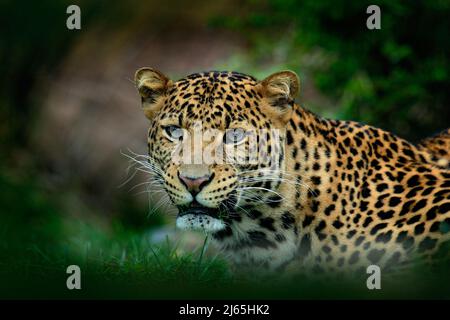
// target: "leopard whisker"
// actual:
[[260, 188]]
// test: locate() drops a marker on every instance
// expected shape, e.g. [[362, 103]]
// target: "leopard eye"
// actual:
[[173, 132], [234, 136]]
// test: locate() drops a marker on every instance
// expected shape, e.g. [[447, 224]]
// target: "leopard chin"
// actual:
[[200, 222], [204, 219]]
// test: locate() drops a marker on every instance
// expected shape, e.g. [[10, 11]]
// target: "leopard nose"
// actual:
[[195, 184]]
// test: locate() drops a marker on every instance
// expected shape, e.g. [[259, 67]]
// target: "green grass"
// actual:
[[38, 242]]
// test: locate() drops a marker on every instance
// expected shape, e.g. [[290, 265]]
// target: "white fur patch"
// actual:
[[442, 162], [200, 222]]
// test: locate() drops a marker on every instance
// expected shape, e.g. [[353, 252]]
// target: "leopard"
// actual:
[[328, 195]]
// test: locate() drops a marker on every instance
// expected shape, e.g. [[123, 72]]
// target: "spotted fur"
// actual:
[[350, 194]]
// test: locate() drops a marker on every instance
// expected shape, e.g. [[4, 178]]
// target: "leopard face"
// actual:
[[216, 141]]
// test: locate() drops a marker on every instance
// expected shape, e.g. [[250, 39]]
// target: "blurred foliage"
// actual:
[[396, 78], [30, 44], [38, 242], [34, 41], [38, 234], [22, 204]]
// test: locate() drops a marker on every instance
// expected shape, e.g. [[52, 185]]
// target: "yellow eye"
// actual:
[[173, 132], [234, 136]]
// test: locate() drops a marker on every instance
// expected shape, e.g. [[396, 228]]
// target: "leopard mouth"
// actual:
[[195, 208]]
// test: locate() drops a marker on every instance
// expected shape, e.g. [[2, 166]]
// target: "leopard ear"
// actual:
[[152, 85], [280, 89]]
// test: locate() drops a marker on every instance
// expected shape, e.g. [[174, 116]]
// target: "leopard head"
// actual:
[[216, 141]]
